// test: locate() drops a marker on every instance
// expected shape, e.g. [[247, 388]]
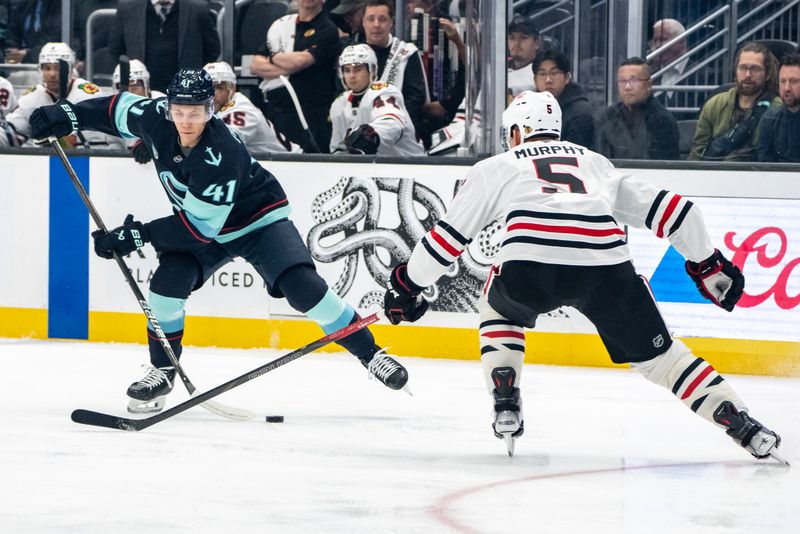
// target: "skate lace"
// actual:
[[154, 376], [381, 365]]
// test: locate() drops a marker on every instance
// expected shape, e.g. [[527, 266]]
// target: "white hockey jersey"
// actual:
[[383, 108], [257, 133], [8, 102], [38, 96], [560, 203]]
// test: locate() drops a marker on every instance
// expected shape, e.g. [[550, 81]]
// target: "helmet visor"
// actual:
[[194, 113]]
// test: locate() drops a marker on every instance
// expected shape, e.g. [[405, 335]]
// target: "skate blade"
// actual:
[[509, 439], [407, 390], [778, 457], [151, 406]]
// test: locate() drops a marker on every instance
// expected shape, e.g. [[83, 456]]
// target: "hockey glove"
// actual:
[[123, 240], [57, 120], [363, 140], [141, 152], [403, 301], [718, 280]]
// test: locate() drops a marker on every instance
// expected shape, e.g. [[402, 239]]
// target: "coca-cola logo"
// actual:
[[757, 243]]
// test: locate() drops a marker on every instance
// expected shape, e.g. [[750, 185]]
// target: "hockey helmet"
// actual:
[[220, 72], [138, 73], [191, 87], [52, 52], [359, 54], [534, 114]]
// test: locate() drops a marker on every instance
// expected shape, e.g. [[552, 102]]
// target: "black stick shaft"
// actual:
[[88, 417], [162, 338]]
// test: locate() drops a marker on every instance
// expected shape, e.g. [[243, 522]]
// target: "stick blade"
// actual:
[[88, 417]]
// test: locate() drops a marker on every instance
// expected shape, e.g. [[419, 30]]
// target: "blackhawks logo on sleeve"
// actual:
[[89, 88]]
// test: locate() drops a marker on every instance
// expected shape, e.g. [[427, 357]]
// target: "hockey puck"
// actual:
[[274, 419]]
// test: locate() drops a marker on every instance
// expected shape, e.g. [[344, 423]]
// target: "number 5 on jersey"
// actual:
[[544, 171], [215, 191]]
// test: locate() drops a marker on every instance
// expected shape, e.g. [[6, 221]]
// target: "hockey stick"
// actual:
[[219, 409], [124, 73], [88, 417], [309, 136]]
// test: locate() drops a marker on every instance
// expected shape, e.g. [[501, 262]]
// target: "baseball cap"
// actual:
[[524, 25], [346, 6]]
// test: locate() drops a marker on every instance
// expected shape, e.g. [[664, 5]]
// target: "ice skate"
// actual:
[[148, 394], [754, 437], [508, 422], [388, 370]]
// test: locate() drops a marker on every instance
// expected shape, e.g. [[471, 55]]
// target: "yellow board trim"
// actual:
[[742, 356]]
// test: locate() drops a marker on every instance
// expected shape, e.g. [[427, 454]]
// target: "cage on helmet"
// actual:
[[52, 52], [220, 72], [191, 87], [533, 114], [138, 73], [359, 54]]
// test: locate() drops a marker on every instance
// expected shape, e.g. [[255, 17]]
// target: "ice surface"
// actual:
[[605, 451]]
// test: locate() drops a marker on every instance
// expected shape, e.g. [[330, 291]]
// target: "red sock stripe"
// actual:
[[696, 382], [504, 333]]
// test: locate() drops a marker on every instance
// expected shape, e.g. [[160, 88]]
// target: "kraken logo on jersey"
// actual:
[[214, 159]]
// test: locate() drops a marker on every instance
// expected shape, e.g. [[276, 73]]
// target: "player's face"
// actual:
[[522, 47], [550, 78], [137, 87], [356, 77], [789, 84], [377, 25], [190, 121], [633, 82], [50, 77], [222, 95], [751, 74]]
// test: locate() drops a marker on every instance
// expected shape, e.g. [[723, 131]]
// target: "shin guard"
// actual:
[[502, 344]]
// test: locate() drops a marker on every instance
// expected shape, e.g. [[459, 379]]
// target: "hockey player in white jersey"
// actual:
[[241, 116], [47, 92], [370, 117], [8, 102], [562, 206], [138, 84]]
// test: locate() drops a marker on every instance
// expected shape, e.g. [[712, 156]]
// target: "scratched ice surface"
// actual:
[[605, 451]]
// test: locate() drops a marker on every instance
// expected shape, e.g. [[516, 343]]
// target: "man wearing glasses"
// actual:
[[551, 72], [638, 126], [728, 125]]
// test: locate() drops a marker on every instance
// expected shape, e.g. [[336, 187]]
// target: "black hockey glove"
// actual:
[[363, 140], [123, 240], [403, 301], [58, 120], [141, 152], [718, 280]]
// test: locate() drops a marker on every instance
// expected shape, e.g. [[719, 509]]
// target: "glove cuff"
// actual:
[[402, 283]]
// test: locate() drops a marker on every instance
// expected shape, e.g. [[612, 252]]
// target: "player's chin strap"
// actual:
[[219, 409]]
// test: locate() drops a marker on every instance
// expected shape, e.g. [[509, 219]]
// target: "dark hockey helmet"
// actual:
[[191, 87]]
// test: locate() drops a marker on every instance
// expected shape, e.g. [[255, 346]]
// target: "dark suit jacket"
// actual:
[[198, 42]]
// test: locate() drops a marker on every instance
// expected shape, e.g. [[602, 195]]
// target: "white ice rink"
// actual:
[[605, 452]]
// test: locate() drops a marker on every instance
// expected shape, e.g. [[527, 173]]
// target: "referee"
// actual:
[[304, 47]]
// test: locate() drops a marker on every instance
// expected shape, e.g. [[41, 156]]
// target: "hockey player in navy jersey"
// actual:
[[562, 206], [224, 205]]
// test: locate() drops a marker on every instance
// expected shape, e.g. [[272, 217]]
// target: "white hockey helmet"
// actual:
[[220, 72], [534, 114], [359, 54], [138, 73], [52, 52]]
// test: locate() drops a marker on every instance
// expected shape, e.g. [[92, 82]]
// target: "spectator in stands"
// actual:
[[48, 92], [348, 16], [638, 126], [166, 35], [523, 43], [304, 47], [241, 116], [663, 31], [780, 126], [728, 124], [32, 24], [4, 16], [551, 72], [399, 63], [370, 117]]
